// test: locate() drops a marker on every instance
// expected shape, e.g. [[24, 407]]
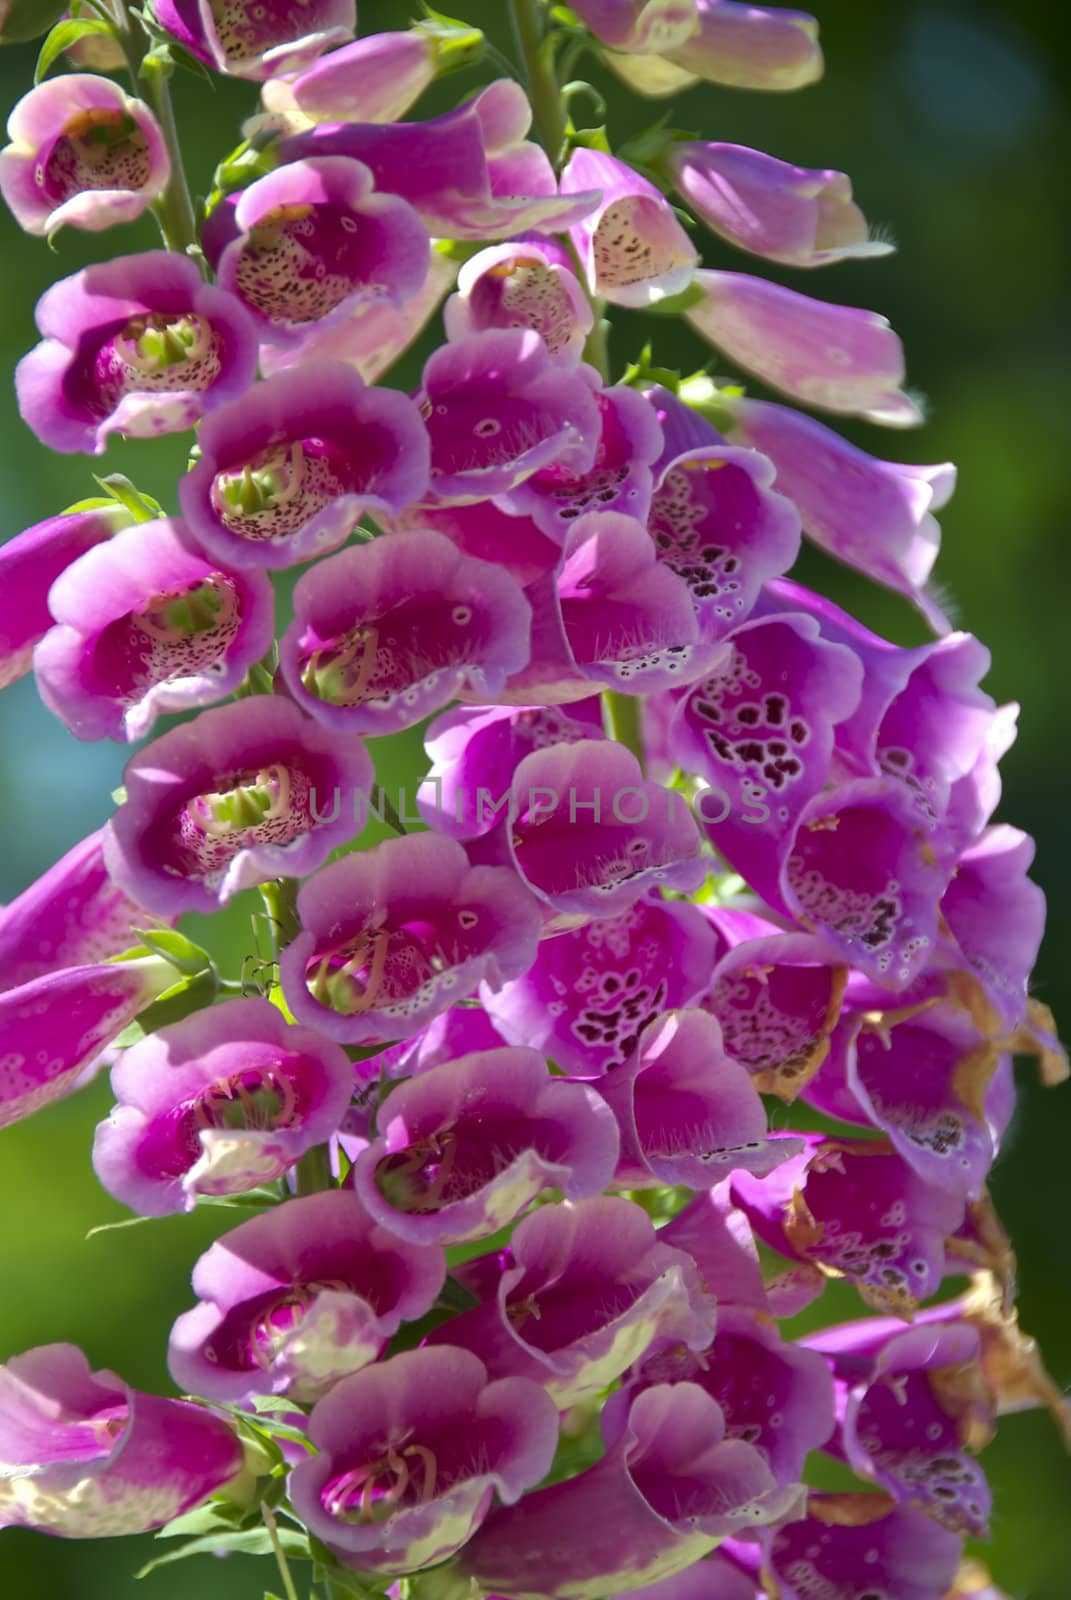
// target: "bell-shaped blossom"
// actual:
[[82, 155], [138, 346], [287, 472], [497, 408], [475, 751], [835, 358], [30, 563], [591, 992], [72, 916], [478, 528], [227, 1099], [860, 871], [375, 333], [236, 797], [54, 1027], [470, 173], [411, 1454], [633, 250], [305, 245], [464, 1148], [396, 934], [590, 835], [612, 617], [618, 480], [777, 997], [527, 283], [738, 45], [640, 25], [875, 516], [719, 1239], [147, 624], [857, 1209], [799, 216], [256, 40], [584, 1292], [719, 524], [687, 1112], [996, 915], [372, 80], [908, 1401], [298, 1298], [760, 731], [670, 1487], [386, 632], [859, 1544], [88, 1457]]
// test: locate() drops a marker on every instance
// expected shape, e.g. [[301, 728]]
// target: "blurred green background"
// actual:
[[954, 120]]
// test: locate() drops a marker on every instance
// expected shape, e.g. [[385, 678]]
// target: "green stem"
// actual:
[[548, 113], [383, 808], [597, 344], [174, 209], [280, 1554], [623, 722], [313, 1171], [280, 903]]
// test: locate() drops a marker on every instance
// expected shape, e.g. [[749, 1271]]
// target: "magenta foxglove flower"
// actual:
[[631, 246], [73, 916], [738, 45], [464, 1148], [852, 1544], [297, 1298], [908, 1401], [718, 1237], [619, 479], [372, 80], [411, 1454], [591, 992], [82, 155], [287, 472], [613, 617], [228, 1098], [248, 40], [497, 409], [86, 1456], [475, 751], [386, 632], [687, 1112], [147, 624], [875, 516], [137, 346], [528, 283], [641, 25], [480, 529], [835, 358], [305, 245], [29, 565], [236, 797], [584, 1291], [394, 935], [54, 1027], [996, 915], [590, 835], [470, 173], [670, 1487], [795, 215], [856, 1207]]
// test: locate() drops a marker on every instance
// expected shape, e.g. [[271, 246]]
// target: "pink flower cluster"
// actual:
[[504, 1317]]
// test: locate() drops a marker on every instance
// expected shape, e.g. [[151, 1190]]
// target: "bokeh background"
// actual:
[[953, 118]]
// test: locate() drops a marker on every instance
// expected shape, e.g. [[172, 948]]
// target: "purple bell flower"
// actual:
[[304, 246], [297, 1298], [640, 25], [82, 155], [527, 283], [372, 80], [996, 915], [464, 1148], [228, 1098], [386, 632], [257, 38], [230, 800], [396, 934], [584, 1291], [138, 346], [740, 46], [146, 624], [411, 1454], [851, 1543], [633, 250], [87, 1457], [287, 472], [29, 565]]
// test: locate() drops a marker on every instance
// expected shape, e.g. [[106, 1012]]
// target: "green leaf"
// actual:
[[187, 995], [246, 1542], [113, 1227], [66, 33], [674, 304], [142, 507], [94, 503], [181, 952], [218, 1516]]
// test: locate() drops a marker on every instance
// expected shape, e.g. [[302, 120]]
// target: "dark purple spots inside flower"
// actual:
[[277, 492], [300, 262], [269, 806], [525, 293], [152, 354], [178, 635], [102, 148]]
